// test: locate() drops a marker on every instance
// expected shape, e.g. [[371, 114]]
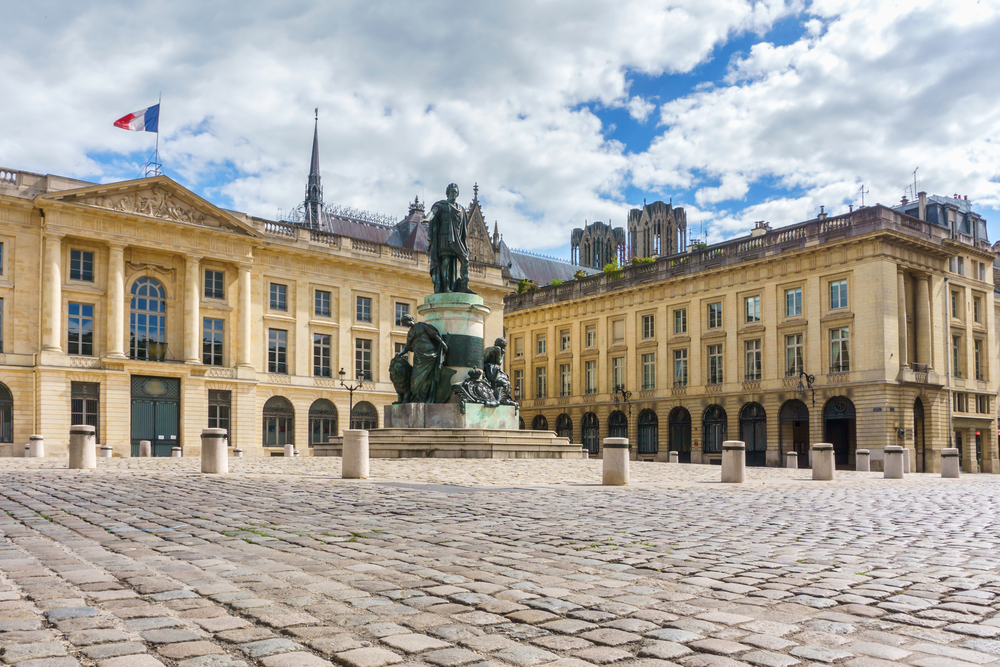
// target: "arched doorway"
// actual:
[[715, 429], [919, 442], [753, 433], [322, 421], [680, 434], [590, 433], [617, 425], [279, 422], [564, 426], [6, 414], [793, 431], [649, 432], [364, 417], [520, 423], [540, 423], [840, 428]]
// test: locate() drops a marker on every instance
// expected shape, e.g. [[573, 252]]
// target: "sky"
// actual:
[[562, 111]]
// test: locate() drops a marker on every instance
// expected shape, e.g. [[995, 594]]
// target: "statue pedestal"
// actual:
[[451, 416], [460, 318]]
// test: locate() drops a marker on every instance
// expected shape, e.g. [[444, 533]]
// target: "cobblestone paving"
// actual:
[[466, 563]]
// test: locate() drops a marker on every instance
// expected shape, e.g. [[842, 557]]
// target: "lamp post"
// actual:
[[808, 385], [351, 388], [625, 395]]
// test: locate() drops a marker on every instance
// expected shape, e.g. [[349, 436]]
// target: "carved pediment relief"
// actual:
[[156, 203]]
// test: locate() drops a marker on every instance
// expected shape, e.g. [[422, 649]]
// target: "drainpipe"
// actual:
[[947, 362]]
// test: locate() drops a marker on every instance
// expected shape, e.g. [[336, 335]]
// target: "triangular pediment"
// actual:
[[157, 197], [480, 247]]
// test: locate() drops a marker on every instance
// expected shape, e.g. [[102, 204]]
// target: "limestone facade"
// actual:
[[865, 330]]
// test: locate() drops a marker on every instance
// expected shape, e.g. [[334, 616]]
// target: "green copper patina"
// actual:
[[448, 227]]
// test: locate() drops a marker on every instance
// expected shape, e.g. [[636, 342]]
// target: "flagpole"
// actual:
[[156, 153]]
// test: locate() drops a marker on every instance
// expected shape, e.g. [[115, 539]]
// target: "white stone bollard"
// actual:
[[615, 462], [238, 453], [675, 457], [295, 452], [862, 459], [586, 454], [823, 461], [175, 452], [145, 448], [27, 450], [734, 462], [82, 448], [36, 446], [354, 464], [906, 461], [950, 462], [893, 462], [289, 450], [214, 454], [792, 460], [106, 451]]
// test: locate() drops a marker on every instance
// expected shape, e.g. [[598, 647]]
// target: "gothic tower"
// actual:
[[314, 188]]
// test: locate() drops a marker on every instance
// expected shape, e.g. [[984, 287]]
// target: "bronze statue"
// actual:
[[494, 374], [400, 372], [475, 390], [429, 351], [448, 227]]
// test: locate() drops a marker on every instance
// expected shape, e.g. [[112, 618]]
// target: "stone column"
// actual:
[[354, 464], [214, 454], [243, 316], [82, 447], [615, 462], [52, 296], [734, 462], [922, 310], [116, 301], [901, 305], [192, 311]]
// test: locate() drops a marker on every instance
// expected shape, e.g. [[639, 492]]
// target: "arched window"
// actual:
[[6, 414], [322, 421], [564, 426], [715, 429], [753, 432], [279, 422], [649, 432], [540, 423], [364, 417], [617, 425], [590, 427], [148, 320], [680, 434]]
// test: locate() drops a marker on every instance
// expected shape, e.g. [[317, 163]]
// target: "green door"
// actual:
[[155, 413]]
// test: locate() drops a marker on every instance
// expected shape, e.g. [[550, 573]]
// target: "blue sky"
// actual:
[[562, 112]]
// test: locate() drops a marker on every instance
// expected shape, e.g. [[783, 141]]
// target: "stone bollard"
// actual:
[[36, 446], [823, 462], [106, 451], [675, 457], [950, 462], [295, 452], [615, 462], [82, 448], [734, 462], [893, 462], [289, 450], [214, 455], [906, 461], [862, 458], [354, 464], [586, 454], [145, 448], [175, 452], [238, 453], [27, 450], [792, 460]]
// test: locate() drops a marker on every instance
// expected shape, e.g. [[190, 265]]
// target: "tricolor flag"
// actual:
[[147, 119]]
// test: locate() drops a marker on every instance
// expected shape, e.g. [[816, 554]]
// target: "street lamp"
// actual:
[[626, 395], [808, 385], [351, 388]]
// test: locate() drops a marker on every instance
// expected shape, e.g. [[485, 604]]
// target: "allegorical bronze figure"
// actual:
[[429, 351], [494, 374], [448, 227]]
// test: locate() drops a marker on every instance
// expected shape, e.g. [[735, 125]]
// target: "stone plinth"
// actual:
[[734, 461], [460, 318], [823, 461], [468, 443], [615, 464], [450, 415]]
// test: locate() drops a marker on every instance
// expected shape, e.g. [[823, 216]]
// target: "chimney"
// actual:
[[822, 213], [904, 201], [923, 205]]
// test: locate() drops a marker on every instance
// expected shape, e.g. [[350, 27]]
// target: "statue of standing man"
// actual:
[[448, 227]]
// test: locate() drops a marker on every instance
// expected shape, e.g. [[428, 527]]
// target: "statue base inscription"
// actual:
[[451, 416]]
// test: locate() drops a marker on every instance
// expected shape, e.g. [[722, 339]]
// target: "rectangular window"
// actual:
[[977, 309], [540, 377], [648, 326], [81, 329], [363, 359], [617, 373], [402, 310], [398, 347], [518, 383], [961, 401], [590, 369], [752, 355], [793, 302], [214, 288], [983, 404], [753, 309], [680, 368], [838, 294], [961, 266], [321, 303], [591, 336], [977, 348], [321, 356], [956, 356], [219, 402], [1, 259], [211, 346], [793, 355], [564, 340], [277, 351], [81, 265], [364, 309], [565, 380], [618, 332], [840, 360], [518, 347], [279, 297], [681, 321], [714, 315], [954, 305], [982, 266], [540, 345], [649, 371], [715, 364]]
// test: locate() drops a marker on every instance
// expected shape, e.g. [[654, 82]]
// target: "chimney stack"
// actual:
[[923, 205]]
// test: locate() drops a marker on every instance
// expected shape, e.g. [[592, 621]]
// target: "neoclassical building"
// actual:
[[868, 329]]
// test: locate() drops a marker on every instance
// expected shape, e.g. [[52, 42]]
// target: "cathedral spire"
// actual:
[[314, 187]]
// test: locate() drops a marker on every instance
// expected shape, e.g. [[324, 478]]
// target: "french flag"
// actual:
[[147, 120]]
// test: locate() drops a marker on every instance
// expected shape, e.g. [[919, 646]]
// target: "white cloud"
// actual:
[[639, 108]]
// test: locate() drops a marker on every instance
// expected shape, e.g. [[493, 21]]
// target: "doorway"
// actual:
[[919, 443], [680, 434], [793, 432], [840, 427], [156, 412]]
